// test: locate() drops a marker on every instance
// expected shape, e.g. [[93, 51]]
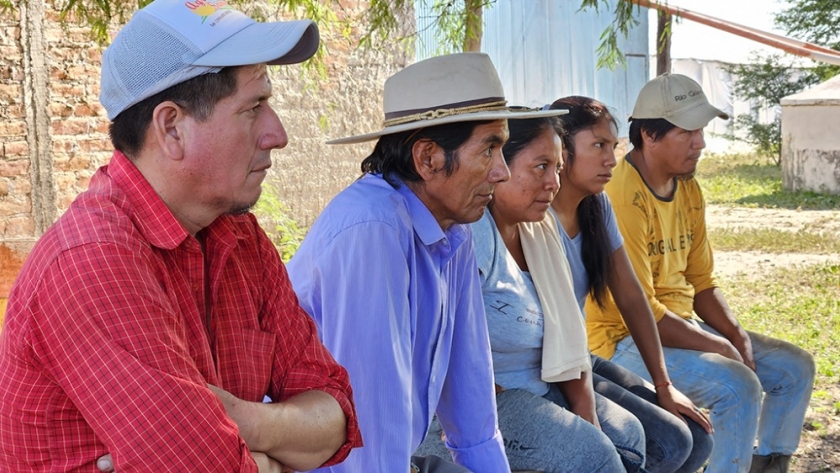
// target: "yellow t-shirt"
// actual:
[[667, 245]]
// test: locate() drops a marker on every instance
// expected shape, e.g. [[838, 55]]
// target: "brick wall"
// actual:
[[54, 132]]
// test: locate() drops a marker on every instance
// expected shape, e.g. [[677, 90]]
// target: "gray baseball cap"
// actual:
[[171, 41], [679, 100]]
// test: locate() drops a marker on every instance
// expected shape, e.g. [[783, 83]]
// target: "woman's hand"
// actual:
[[675, 402]]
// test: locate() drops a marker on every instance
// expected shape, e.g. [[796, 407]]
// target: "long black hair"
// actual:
[[585, 113]]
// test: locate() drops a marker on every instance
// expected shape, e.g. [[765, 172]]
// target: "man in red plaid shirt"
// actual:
[[152, 319]]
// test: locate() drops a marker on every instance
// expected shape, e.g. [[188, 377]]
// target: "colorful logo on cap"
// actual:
[[205, 8]]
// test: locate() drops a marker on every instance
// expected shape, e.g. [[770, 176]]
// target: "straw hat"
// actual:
[[445, 89]]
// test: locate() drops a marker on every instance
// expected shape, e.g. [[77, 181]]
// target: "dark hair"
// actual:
[[655, 127], [585, 113], [392, 155], [197, 96], [523, 131]]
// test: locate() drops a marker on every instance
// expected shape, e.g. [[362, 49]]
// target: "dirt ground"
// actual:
[[819, 449]]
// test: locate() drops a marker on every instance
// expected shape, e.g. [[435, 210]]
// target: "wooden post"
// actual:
[[473, 25], [663, 43]]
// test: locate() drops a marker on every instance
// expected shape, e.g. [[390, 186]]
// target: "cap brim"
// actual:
[[467, 117], [281, 42], [697, 117]]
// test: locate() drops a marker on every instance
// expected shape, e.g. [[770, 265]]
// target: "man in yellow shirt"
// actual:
[[661, 214]]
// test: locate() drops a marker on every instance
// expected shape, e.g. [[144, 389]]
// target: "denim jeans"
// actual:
[[733, 393], [671, 445], [540, 433]]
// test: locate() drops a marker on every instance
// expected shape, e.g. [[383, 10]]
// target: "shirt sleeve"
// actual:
[[468, 396], [301, 362], [633, 222], [103, 330], [613, 234], [699, 271], [358, 294]]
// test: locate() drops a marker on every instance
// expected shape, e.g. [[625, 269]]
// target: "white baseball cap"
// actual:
[[171, 41], [678, 99]]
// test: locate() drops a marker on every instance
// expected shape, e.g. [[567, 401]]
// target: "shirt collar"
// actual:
[[147, 210], [427, 227]]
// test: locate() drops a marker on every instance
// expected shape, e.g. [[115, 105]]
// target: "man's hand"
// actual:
[[724, 347], [741, 342], [675, 402]]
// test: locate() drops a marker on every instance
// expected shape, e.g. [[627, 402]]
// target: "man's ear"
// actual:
[[647, 138], [168, 130], [429, 158]]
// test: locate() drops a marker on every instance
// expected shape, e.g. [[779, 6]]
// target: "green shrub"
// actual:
[[274, 217]]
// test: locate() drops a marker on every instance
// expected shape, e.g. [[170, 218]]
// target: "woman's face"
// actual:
[[594, 158], [533, 181]]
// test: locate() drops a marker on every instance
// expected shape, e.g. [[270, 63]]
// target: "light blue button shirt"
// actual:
[[398, 303]]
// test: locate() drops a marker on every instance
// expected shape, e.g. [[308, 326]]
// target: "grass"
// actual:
[[751, 181], [800, 305], [772, 240]]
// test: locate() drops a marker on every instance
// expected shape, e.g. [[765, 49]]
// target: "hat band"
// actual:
[[446, 112]]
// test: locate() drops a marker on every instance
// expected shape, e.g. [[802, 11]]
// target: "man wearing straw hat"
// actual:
[[152, 319], [388, 270]]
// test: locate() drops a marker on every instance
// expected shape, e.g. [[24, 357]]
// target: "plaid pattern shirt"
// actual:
[[107, 346]]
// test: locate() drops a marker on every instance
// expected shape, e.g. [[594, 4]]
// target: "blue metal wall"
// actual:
[[545, 49]]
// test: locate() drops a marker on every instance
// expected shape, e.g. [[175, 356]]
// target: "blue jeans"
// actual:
[[733, 393], [540, 433], [671, 445]]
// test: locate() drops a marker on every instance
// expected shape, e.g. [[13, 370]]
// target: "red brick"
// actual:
[[15, 207], [16, 111], [84, 110], [62, 146], [60, 110], [79, 162], [70, 126], [102, 126], [10, 168], [11, 53], [19, 226], [15, 149], [97, 145], [21, 185], [83, 182], [67, 90], [10, 90]]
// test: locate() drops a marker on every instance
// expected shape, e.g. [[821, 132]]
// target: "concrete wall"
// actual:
[[811, 148], [810, 142], [54, 132]]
